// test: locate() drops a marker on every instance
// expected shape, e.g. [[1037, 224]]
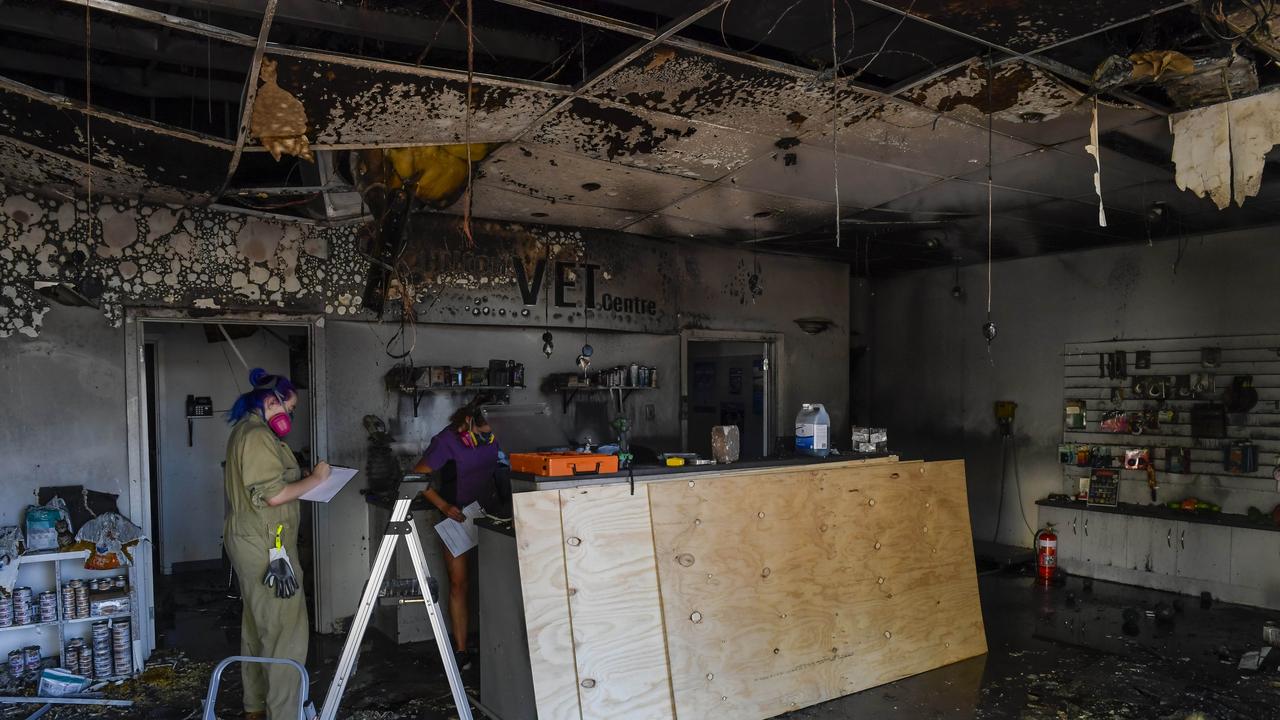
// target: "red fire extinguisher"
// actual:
[[1046, 554]]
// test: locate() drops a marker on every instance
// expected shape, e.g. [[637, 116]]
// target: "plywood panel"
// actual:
[[613, 596], [784, 590], [540, 547]]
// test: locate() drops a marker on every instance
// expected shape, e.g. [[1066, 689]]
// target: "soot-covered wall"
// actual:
[[933, 381], [472, 306]]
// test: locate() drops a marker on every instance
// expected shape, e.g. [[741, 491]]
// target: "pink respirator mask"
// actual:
[[281, 424]]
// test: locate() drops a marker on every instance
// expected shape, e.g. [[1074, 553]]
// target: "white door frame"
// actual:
[[774, 374], [138, 501]]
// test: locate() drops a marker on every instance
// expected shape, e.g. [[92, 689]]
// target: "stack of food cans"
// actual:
[[86, 657], [48, 606], [82, 598], [68, 602], [101, 649], [6, 610], [71, 655], [22, 606], [122, 647], [31, 657]]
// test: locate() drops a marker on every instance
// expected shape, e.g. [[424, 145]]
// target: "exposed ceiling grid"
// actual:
[[671, 130]]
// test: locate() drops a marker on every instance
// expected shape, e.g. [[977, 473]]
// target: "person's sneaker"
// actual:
[[463, 659]]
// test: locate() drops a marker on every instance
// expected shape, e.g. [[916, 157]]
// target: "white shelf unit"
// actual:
[[42, 571]]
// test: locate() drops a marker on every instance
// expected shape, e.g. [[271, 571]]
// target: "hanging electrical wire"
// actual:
[[88, 118], [466, 126], [989, 328], [835, 117]]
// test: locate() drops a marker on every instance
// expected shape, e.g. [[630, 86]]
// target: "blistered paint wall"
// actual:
[[933, 382]]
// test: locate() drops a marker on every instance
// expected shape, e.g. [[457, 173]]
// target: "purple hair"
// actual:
[[264, 386]]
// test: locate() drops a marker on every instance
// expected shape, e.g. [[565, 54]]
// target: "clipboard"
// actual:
[[339, 476]]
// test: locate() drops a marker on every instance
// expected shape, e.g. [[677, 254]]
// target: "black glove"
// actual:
[[280, 571]]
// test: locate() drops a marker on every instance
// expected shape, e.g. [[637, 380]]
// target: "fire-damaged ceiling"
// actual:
[[858, 130]]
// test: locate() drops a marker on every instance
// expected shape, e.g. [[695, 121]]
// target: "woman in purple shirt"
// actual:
[[464, 457]]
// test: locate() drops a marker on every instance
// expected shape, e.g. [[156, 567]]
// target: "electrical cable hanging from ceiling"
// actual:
[[989, 328], [835, 118], [466, 126], [88, 118]]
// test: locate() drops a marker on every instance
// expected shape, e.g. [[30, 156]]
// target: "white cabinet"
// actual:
[[1255, 558], [1150, 546], [1104, 538], [1235, 564], [1066, 525], [1204, 552]]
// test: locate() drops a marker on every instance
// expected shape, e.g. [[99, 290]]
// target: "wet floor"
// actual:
[[1074, 650]]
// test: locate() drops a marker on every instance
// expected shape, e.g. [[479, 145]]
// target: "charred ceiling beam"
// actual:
[[1052, 66], [250, 92]]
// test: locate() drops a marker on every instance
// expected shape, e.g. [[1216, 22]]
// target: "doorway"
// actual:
[[178, 442], [729, 382]]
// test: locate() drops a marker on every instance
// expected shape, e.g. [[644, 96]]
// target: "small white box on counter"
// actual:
[[870, 435]]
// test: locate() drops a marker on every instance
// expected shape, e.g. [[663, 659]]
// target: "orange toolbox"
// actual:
[[563, 464]]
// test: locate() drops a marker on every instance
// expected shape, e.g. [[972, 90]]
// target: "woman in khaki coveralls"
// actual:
[[263, 484]]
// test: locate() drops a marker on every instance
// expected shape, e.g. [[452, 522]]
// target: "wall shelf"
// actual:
[[570, 393], [416, 392]]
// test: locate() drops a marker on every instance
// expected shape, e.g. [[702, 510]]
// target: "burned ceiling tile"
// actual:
[[524, 168], [1020, 92], [1027, 103], [1025, 25], [494, 201], [699, 87], [654, 141], [861, 183], [672, 227], [760, 214], [1220, 150], [357, 104], [899, 133]]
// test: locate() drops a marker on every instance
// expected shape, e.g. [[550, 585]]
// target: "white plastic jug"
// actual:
[[813, 430]]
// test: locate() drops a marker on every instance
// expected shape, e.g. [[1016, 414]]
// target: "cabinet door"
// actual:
[[1255, 558], [1151, 545], [1104, 538], [1204, 551], [1066, 524]]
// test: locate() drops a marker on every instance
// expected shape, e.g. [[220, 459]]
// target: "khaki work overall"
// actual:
[[258, 467]]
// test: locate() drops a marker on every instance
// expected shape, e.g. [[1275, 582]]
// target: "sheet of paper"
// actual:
[[338, 478], [460, 537]]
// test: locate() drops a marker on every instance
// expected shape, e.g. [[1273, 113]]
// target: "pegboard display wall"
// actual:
[[1207, 408]]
